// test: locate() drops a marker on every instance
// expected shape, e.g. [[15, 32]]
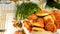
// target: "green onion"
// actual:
[[26, 9]]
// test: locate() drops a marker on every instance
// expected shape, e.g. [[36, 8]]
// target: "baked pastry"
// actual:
[[53, 17], [51, 27], [42, 13], [56, 13], [37, 29], [32, 17], [57, 23], [27, 25], [48, 19], [40, 20], [38, 24]]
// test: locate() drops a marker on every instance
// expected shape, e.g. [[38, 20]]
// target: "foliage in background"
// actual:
[[51, 3]]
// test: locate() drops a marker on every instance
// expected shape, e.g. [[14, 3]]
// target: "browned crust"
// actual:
[[51, 27]]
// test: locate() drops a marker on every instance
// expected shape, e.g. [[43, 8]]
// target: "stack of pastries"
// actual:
[[43, 21]]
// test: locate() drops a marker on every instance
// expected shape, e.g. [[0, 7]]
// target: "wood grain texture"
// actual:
[[2, 22], [3, 19], [1, 32]]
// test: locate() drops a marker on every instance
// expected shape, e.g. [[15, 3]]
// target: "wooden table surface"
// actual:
[[3, 19], [4, 9]]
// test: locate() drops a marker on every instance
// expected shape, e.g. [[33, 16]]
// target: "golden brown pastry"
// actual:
[[53, 17], [51, 27], [38, 24], [37, 29], [27, 25], [42, 13], [56, 13], [18, 32], [57, 23], [32, 17], [48, 19], [40, 20]]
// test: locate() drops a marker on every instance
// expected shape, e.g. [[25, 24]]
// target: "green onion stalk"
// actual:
[[25, 9]]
